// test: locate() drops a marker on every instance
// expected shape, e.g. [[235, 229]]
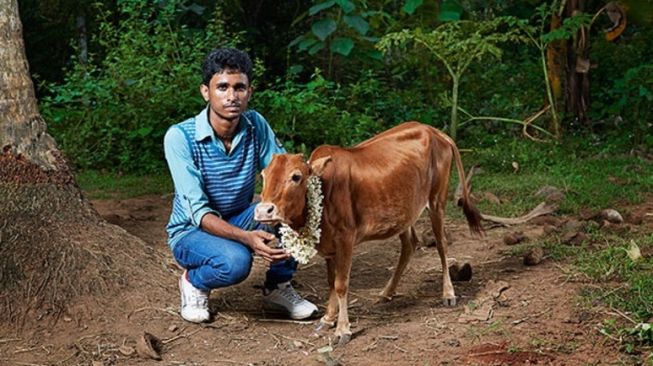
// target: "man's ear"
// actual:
[[204, 89], [319, 166]]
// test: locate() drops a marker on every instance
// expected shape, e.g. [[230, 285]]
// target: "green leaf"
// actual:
[[450, 10], [342, 45], [323, 28], [376, 55], [316, 48], [321, 6], [144, 131], [358, 23], [305, 44], [346, 5], [197, 9], [371, 39], [411, 5], [295, 69], [296, 41]]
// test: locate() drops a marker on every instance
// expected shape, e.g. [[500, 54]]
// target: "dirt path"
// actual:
[[531, 315]]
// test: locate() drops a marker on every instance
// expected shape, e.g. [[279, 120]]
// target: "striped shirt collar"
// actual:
[[203, 128]]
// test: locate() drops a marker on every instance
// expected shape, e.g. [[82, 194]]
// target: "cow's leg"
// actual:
[[329, 318], [436, 214], [341, 285], [408, 244]]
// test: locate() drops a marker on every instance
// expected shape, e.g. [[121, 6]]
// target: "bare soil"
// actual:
[[507, 314]]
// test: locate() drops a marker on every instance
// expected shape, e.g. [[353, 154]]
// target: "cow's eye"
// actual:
[[296, 178]]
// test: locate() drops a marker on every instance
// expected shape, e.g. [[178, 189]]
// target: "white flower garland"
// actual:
[[302, 244]]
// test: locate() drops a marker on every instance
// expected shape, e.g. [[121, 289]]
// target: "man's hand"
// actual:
[[257, 241]]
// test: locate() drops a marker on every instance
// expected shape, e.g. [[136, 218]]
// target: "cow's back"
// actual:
[[379, 187]]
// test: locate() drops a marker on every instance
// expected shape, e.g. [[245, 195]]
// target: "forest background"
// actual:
[[112, 76]]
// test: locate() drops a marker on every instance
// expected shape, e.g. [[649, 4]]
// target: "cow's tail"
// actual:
[[471, 212]]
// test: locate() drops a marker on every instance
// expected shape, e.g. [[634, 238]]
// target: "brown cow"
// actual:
[[373, 190]]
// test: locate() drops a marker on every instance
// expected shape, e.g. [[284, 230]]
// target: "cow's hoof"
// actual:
[[451, 302], [343, 338], [324, 325]]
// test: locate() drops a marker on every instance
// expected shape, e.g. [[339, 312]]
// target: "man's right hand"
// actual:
[[257, 241]]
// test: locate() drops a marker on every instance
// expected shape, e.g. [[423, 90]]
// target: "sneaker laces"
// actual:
[[199, 298], [289, 293], [195, 297]]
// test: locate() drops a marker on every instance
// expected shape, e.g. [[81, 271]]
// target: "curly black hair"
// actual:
[[223, 59]]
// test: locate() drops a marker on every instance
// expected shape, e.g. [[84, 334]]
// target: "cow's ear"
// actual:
[[318, 166]]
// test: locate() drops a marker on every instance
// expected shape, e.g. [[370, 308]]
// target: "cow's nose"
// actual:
[[264, 212]]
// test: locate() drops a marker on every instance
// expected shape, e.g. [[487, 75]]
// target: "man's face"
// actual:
[[227, 94]]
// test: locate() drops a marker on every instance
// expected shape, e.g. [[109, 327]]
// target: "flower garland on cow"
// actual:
[[302, 245]]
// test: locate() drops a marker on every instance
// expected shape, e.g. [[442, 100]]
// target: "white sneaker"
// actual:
[[194, 302], [285, 298]]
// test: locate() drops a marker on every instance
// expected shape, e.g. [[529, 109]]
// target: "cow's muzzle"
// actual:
[[267, 213]]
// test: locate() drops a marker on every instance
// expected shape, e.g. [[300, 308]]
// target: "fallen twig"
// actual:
[[540, 210], [617, 312], [169, 340], [166, 310], [518, 321], [399, 348], [286, 321], [294, 339], [487, 353], [7, 340], [370, 347], [391, 337], [218, 361], [23, 350]]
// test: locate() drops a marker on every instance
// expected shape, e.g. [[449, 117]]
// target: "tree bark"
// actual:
[[577, 91], [22, 129]]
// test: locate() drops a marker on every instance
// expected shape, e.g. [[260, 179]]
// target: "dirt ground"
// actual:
[[507, 314]]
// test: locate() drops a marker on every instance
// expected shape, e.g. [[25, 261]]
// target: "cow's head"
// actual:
[[283, 198]]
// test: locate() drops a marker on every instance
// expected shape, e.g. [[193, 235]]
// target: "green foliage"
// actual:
[[340, 26], [536, 33], [110, 185], [318, 112], [456, 45], [113, 112], [634, 101]]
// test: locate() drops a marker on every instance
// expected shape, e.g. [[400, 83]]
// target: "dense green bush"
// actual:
[[305, 115], [113, 112]]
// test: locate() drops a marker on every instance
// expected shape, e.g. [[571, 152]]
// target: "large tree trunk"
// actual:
[[22, 130], [54, 248]]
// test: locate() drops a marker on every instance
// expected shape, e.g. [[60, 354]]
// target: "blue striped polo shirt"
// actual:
[[207, 179]]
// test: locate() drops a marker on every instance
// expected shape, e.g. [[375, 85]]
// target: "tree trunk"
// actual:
[[577, 91], [555, 61], [22, 130], [54, 248]]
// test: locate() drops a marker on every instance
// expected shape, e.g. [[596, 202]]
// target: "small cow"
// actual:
[[374, 190]]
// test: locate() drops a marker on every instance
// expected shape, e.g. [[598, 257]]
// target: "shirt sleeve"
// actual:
[[189, 185], [270, 144]]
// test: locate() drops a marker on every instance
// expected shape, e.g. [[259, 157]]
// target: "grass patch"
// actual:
[[105, 185], [632, 280], [591, 176]]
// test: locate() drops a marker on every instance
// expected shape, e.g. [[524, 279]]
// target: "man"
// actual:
[[213, 159]]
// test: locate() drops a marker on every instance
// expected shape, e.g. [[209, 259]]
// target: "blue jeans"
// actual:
[[213, 261]]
